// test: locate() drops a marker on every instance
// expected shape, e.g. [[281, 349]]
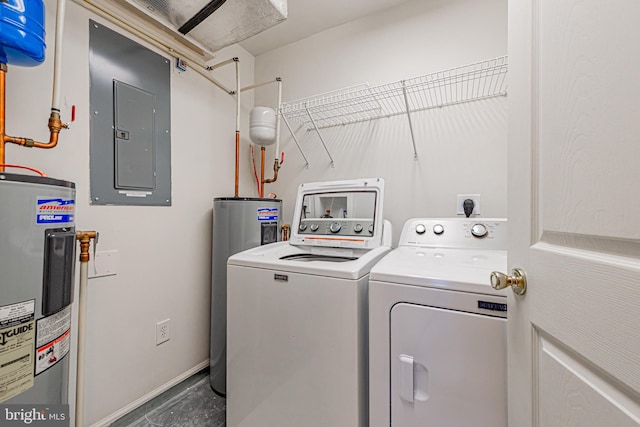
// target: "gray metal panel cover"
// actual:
[[114, 59], [134, 137]]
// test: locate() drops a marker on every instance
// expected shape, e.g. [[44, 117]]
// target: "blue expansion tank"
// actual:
[[22, 32]]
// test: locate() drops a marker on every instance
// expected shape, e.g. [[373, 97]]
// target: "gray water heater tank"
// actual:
[[238, 224], [37, 258]]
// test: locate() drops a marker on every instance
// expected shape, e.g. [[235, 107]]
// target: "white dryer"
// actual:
[[297, 313], [437, 330]]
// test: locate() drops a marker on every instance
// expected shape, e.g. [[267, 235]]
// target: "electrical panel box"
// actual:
[[130, 121], [134, 138]]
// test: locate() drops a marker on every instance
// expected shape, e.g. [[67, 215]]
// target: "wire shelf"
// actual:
[[480, 80], [472, 82]]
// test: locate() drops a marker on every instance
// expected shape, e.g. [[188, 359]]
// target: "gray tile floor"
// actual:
[[189, 404]]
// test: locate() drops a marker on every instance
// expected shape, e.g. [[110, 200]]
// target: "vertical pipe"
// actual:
[[262, 152], [237, 182], [279, 80], [237, 163], [3, 86], [57, 55], [82, 315], [84, 237], [276, 162]]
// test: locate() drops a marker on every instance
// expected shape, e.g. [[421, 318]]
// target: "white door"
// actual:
[[574, 212]]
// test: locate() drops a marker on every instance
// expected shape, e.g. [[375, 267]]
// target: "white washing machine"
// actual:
[[437, 330], [297, 313]]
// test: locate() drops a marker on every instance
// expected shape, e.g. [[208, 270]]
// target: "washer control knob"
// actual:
[[357, 228], [314, 227], [335, 227], [479, 230], [420, 229], [438, 229], [371, 229], [302, 227]]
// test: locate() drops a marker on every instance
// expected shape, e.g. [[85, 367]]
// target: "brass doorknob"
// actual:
[[517, 281]]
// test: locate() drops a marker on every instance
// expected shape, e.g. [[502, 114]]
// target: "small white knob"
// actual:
[[438, 229], [420, 229], [335, 227]]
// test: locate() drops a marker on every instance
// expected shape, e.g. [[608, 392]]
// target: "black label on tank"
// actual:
[[281, 277], [493, 306]]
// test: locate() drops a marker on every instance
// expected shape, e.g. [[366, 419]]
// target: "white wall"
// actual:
[[164, 251], [461, 149]]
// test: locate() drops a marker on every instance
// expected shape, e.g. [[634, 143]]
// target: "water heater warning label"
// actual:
[[267, 214], [55, 210], [53, 352], [17, 339], [53, 339]]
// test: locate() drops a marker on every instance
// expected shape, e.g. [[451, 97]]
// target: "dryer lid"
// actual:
[[465, 270]]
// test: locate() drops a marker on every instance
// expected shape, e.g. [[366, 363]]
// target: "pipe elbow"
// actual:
[[55, 126], [276, 168], [53, 141]]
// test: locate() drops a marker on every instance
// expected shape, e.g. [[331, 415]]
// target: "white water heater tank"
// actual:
[[262, 125]]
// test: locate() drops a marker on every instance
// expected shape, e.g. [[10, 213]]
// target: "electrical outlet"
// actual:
[[462, 198], [163, 331]]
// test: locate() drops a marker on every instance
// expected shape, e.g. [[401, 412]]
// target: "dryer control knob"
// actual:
[[357, 228], [479, 230], [302, 227], [314, 227], [335, 227], [370, 228], [420, 229], [438, 229]]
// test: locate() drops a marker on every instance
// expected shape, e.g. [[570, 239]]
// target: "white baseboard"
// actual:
[[147, 397]]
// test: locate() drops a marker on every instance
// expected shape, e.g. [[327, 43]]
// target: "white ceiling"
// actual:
[[308, 17]]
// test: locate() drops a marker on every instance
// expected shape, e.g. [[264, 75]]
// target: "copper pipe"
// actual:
[[285, 232], [84, 237], [237, 161], [3, 84], [276, 168], [262, 151], [55, 124]]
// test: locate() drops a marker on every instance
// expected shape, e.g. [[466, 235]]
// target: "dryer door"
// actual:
[[448, 368]]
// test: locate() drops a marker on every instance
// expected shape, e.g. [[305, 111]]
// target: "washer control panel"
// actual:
[[485, 233], [336, 226]]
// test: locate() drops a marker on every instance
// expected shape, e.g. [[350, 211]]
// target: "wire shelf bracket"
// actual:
[[293, 134], [361, 103]]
